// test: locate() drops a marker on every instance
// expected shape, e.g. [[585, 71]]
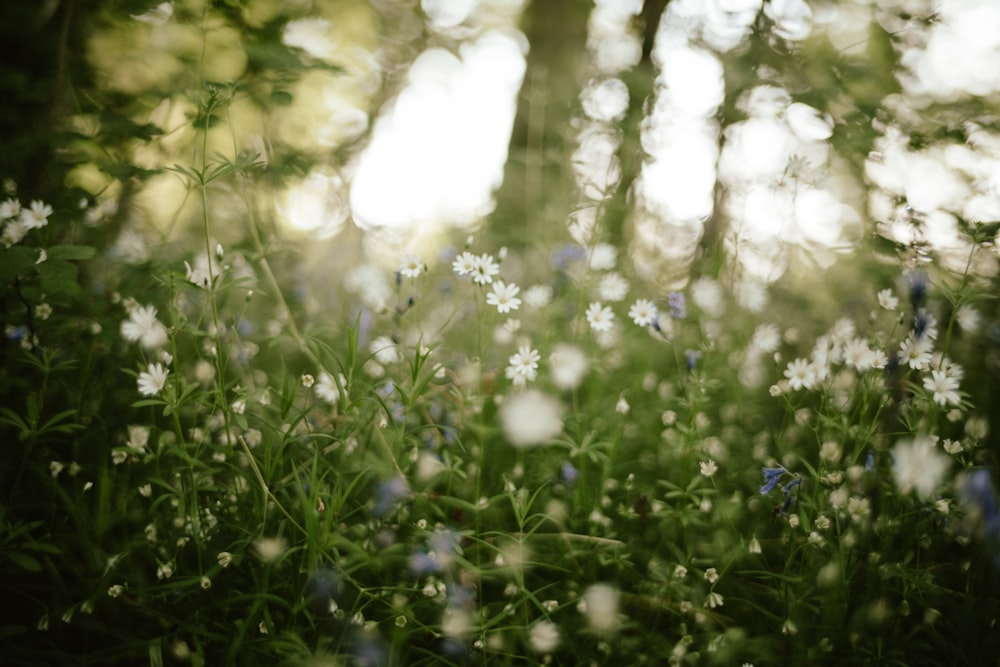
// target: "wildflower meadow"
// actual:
[[548, 436]]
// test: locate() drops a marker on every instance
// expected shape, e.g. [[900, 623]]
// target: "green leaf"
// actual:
[[27, 562], [17, 262], [71, 252]]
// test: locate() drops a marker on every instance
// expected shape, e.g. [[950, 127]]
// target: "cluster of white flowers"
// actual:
[[840, 346], [18, 221]]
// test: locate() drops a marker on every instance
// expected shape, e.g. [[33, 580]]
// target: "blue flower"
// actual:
[[787, 488], [771, 478], [691, 357]]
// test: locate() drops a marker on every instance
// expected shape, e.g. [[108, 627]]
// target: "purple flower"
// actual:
[[569, 473], [678, 306]]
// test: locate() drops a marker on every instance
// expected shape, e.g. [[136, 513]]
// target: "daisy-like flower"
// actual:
[[484, 268], [11, 208], [943, 387], [801, 374], [918, 466], [887, 300], [531, 418], [504, 296], [538, 296], [600, 317], [13, 232], [613, 287], [967, 318], [143, 327], [412, 266], [326, 387], [464, 264], [915, 352], [37, 216], [603, 257], [857, 354], [766, 338], [567, 366], [642, 312], [523, 366], [152, 381]]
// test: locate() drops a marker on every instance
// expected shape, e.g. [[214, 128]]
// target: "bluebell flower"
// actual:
[[678, 305], [691, 357], [787, 488], [870, 461], [771, 478]]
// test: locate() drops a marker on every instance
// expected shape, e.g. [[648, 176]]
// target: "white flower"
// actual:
[[326, 387], [943, 385], [600, 317], [152, 381], [14, 232], [138, 437], [543, 637], [858, 355], [918, 465], [11, 208], [622, 407], [567, 366], [613, 287], [707, 295], [142, 326], [708, 468], [713, 600], [464, 264], [711, 575], [538, 296], [603, 257], [967, 318], [887, 300], [484, 268], [766, 338], [642, 312], [801, 374], [523, 366], [916, 352], [504, 296], [531, 418], [412, 266], [308, 380], [37, 216], [600, 605], [385, 350]]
